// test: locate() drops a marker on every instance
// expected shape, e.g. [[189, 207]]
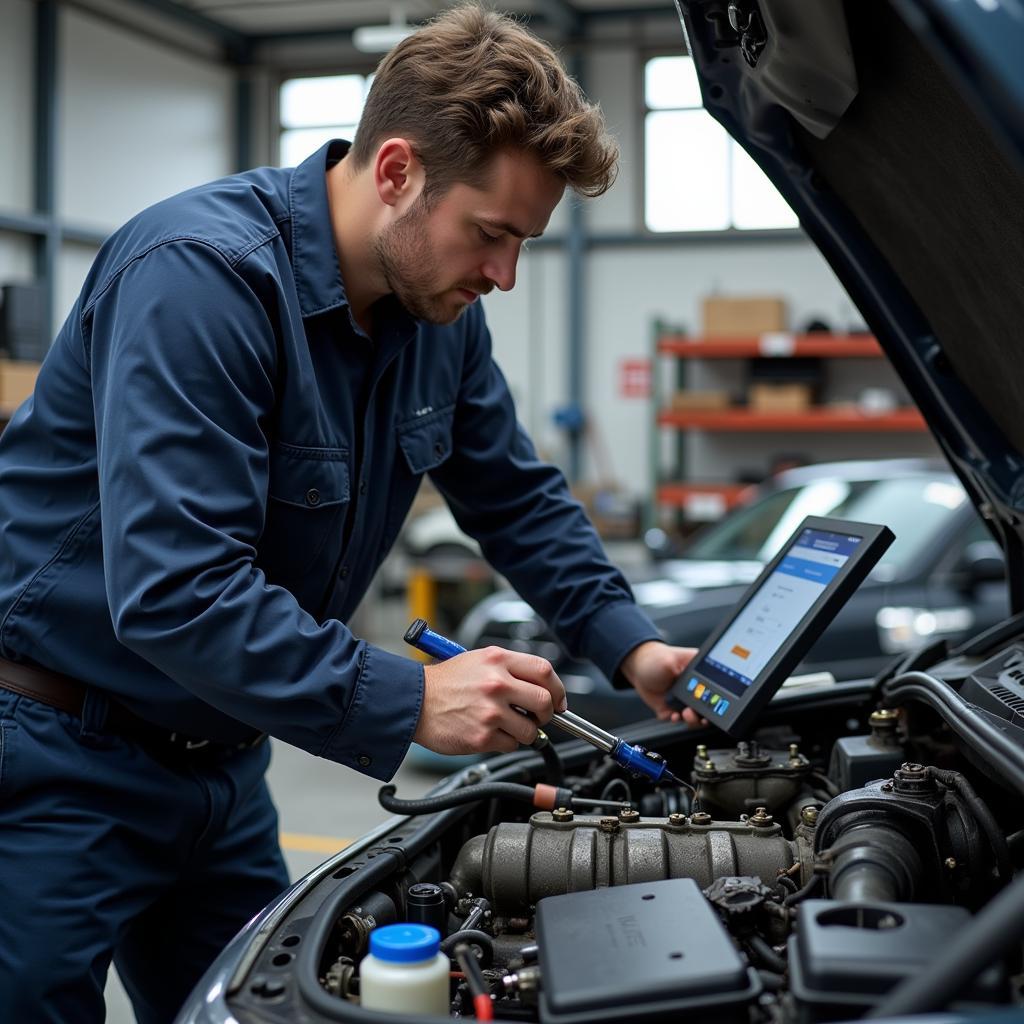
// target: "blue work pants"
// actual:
[[109, 852]]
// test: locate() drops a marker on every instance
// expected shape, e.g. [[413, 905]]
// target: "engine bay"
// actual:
[[823, 869]]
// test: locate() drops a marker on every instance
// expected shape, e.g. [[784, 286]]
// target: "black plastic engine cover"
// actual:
[[845, 955], [647, 951]]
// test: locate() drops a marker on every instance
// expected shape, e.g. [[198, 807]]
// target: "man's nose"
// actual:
[[501, 269]]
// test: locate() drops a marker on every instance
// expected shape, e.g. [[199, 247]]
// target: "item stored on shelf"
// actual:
[[701, 400], [770, 397], [17, 381], [22, 319], [748, 315]]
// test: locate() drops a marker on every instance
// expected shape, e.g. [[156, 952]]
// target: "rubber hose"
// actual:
[[989, 935], [472, 937], [468, 794], [982, 815]]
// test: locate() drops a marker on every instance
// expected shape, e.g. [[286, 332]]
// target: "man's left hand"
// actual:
[[652, 668]]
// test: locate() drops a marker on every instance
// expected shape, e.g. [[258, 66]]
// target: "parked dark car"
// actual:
[[943, 578], [862, 850]]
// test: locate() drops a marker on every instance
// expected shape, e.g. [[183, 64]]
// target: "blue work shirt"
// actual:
[[216, 460]]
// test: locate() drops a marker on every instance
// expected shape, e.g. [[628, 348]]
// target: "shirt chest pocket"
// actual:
[[308, 498], [426, 441]]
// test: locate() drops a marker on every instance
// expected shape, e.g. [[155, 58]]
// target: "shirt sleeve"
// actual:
[[529, 526], [183, 358]]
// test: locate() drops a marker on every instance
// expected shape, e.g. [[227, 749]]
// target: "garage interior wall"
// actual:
[[142, 116]]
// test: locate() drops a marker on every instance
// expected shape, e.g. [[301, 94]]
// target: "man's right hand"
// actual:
[[469, 701]]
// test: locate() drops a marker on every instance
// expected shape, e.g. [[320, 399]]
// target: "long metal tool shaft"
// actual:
[[634, 759]]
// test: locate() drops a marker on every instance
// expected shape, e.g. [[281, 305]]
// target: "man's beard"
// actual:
[[411, 271]]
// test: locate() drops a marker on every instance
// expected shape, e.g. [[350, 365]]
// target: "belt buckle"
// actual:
[[187, 742]]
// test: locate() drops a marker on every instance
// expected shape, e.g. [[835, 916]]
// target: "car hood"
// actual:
[[896, 133]]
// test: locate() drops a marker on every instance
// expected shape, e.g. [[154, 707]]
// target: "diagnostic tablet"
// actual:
[[749, 656]]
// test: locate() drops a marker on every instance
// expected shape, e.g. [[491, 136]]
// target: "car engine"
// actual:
[[817, 871]]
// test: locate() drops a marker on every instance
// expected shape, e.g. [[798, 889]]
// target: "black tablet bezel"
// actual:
[[742, 710]]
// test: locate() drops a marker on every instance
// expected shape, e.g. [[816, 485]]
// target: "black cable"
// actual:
[[983, 816], [554, 769], [802, 894], [471, 969], [472, 937], [767, 956], [468, 794], [983, 940]]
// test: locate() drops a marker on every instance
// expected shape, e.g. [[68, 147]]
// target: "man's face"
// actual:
[[437, 260]]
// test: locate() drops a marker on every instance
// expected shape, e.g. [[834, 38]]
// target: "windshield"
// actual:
[[914, 508]]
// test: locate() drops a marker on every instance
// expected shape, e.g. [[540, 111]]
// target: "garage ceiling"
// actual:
[[267, 18]]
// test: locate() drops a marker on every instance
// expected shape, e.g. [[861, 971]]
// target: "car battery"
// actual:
[[649, 951]]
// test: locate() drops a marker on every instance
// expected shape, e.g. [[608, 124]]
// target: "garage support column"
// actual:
[[575, 250], [45, 142]]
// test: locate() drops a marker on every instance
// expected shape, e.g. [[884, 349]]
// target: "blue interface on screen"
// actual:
[[776, 608]]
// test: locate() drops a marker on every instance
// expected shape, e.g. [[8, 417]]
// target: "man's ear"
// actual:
[[398, 174]]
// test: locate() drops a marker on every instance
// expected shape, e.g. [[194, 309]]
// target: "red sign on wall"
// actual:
[[635, 378]]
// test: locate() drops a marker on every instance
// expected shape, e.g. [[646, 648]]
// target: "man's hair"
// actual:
[[472, 83]]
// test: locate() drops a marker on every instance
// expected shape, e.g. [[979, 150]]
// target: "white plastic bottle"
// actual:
[[405, 971]]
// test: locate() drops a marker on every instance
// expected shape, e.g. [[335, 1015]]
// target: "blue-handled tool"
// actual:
[[636, 760]]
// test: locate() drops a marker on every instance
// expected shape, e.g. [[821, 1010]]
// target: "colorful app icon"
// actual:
[[692, 684], [699, 691]]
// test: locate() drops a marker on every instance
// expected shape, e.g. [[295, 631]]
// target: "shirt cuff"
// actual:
[[612, 633], [375, 734]]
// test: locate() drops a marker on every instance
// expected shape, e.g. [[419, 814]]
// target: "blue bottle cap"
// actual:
[[405, 943]]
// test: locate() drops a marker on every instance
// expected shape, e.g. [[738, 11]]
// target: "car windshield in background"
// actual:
[[913, 508]]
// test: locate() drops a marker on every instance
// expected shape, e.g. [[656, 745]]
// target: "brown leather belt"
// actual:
[[68, 694]]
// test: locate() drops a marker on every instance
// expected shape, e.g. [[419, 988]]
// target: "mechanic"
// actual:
[[222, 445]]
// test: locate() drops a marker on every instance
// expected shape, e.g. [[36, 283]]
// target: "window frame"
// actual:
[[728, 234], [364, 68]]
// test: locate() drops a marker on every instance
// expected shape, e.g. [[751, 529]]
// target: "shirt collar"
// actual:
[[314, 257]]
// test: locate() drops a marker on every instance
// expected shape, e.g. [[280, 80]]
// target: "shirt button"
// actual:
[[364, 761], [438, 449], [312, 496], [343, 572]]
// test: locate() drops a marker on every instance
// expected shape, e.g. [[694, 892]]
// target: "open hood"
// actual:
[[895, 130]]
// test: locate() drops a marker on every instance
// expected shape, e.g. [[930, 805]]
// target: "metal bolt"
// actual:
[[794, 750], [702, 752], [911, 768], [887, 787], [561, 814], [629, 815], [883, 717], [677, 820], [709, 766], [761, 818], [700, 818], [950, 863], [809, 815], [609, 824]]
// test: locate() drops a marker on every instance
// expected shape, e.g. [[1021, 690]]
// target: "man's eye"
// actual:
[[487, 237]]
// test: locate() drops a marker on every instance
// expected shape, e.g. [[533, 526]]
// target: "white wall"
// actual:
[[16, 115], [139, 121]]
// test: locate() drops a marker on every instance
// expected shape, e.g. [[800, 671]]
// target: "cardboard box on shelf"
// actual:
[[17, 380], [780, 397], [739, 317], [684, 401]]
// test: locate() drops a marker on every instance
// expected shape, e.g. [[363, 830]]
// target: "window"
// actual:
[[314, 110], [697, 177]]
